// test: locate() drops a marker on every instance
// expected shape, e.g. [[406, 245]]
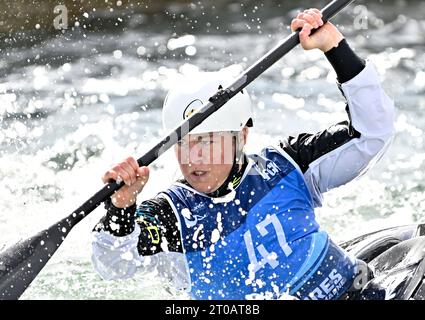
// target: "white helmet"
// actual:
[[189, 95]]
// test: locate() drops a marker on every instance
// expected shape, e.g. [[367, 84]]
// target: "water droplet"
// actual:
[[117, 54]]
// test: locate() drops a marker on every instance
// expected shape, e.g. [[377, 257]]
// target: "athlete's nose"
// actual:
[[196, 153]]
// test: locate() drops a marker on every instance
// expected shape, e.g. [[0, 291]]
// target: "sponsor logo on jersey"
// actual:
[[191, 219], [267, 169], [329, 288]]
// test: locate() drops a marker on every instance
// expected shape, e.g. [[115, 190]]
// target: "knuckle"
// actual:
[[131, 161], [119, 168], [136, 165], [298, 23], [109, 174]]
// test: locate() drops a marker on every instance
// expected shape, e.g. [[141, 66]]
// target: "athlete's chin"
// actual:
[[202, 186]]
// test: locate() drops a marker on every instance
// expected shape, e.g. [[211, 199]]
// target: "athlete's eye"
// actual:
[[207, 142], [182, 143]]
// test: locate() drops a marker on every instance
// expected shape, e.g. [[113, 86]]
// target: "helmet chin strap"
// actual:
[[237, 150]]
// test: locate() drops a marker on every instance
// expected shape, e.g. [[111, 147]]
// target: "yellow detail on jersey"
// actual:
[[154, 230], [236, 182]]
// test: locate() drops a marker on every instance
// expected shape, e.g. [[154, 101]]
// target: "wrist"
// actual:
[[336, 40], [119, 221], [346, 63], [122, 204]]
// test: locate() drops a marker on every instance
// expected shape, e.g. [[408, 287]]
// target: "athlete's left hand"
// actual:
[[325, 39]]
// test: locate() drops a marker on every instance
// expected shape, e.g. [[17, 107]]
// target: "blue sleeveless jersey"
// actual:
[[263, 241]]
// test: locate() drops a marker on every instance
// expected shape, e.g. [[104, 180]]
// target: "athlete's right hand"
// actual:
[[134, 177]]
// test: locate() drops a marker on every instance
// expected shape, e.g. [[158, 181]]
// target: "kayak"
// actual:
[[396, 257]]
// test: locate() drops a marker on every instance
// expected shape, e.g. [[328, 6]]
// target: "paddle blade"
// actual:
[[21, 263]]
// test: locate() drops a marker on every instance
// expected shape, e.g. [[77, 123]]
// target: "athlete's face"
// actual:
[[206, 159]]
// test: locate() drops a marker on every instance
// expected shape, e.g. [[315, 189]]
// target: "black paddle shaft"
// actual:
[[21, 263]]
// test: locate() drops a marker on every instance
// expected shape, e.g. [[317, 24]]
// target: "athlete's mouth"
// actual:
[[199, 173]]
